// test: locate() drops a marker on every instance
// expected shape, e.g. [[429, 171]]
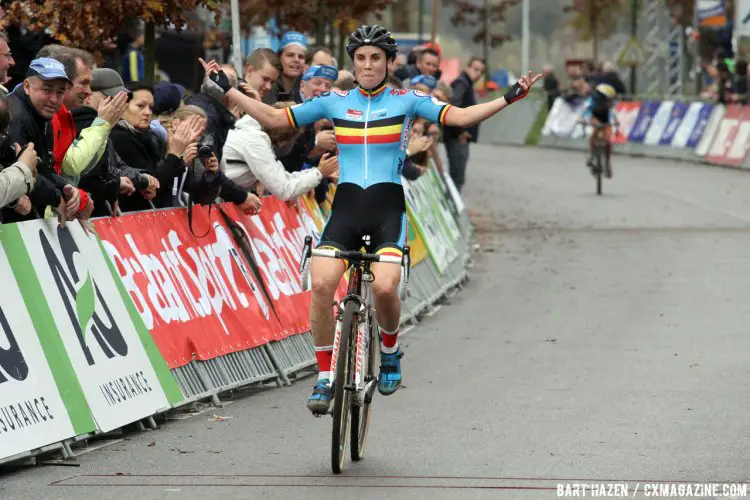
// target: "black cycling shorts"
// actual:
[[373, 218]]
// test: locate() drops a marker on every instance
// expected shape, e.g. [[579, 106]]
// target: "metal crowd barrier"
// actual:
[[282, 361]]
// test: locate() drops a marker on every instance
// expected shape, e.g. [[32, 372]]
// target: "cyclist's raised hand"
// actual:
[[527, 81], [519, 89]]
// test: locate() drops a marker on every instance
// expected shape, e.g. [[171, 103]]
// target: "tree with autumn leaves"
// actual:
[[596, 18], [335, 18], [90, 24]]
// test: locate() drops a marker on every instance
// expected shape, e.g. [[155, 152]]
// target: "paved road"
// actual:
[[600, 339]]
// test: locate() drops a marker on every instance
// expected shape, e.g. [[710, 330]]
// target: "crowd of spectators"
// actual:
[[725, 80], [79, 141]]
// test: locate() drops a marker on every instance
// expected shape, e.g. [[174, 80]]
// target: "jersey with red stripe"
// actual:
[[372, 128]]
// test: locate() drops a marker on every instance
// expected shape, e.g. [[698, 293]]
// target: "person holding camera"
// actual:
[[138, 147], [17, 171], [17, 179], [110, 177], [250, 158], [201, 178]]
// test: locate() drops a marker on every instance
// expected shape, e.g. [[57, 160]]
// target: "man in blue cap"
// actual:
[[318, 80], [424, 83], [292, 52], [33, 104]]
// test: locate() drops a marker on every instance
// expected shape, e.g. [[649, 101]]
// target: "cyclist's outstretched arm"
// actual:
[[268, 116], [466, 117]]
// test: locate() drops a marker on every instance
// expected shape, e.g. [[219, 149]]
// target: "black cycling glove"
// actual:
[[516, 93], [221, 80]]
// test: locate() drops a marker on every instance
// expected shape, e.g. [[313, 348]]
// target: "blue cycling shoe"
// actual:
[[320, 400], [390, 372]]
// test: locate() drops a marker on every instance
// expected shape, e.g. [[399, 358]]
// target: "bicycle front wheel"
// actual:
[[361, 414], [598, 163], [341, 396]]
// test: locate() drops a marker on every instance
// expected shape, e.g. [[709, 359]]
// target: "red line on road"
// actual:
[[315, 485], [463, 478]]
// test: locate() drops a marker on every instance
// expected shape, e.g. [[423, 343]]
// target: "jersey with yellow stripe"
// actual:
[[372, 128]]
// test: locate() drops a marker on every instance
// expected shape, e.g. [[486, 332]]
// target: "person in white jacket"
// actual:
[[250, 158], [250, 154]]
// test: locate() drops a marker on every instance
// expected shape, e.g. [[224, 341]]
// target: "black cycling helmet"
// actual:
[[374, 35]]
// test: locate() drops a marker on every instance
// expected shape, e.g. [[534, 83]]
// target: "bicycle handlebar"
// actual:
[[307, 252], [356, 256]]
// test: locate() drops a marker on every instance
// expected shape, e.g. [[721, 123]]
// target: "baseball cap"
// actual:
[[107, 81], [327, 72], [425, 80], [167, 98], [47, 68], [293, 38]]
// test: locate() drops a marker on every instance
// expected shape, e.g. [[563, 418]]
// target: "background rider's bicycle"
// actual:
[[355, 348], [599, 163]]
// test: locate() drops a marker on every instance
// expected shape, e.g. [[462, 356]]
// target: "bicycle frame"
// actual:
[[358, 290], [360, 277]]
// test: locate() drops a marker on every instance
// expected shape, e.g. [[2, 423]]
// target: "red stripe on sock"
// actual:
[[389, 339], [324, 359]]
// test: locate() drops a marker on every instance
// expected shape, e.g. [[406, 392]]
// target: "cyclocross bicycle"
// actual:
[[599, 156], [355, 347]]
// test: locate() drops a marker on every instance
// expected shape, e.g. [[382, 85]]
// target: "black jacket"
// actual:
[[27, 126], [408, 72], [102, 182], [220, 119], [463, 97], [279, 93], [143, 151]]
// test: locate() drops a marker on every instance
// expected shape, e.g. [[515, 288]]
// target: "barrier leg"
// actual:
[[276, 364], [203, 376], [67, 451]]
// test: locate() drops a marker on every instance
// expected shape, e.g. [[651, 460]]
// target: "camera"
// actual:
[[206, 146], [8, 154], [141, 182]]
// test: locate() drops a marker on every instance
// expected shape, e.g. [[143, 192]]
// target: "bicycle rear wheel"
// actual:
[[361, 414], [342, 396]]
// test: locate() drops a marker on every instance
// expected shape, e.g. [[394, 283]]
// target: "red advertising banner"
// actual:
[[737, 150], [197, 296], [627, 113], [277, 236], [200, 297], [725, 135]]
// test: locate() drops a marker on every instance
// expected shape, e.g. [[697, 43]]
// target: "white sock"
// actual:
[[324, 375]]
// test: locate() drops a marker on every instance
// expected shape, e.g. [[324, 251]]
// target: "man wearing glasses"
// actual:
[[33, 104], [6, 61]]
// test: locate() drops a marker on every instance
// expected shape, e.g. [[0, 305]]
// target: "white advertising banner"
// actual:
[[108, 357]]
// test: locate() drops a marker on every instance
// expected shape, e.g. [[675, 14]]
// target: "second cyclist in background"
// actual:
[[600, 112]]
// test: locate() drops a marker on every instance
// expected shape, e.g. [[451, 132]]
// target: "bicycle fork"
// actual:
[[362, 385], [365, 383]]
